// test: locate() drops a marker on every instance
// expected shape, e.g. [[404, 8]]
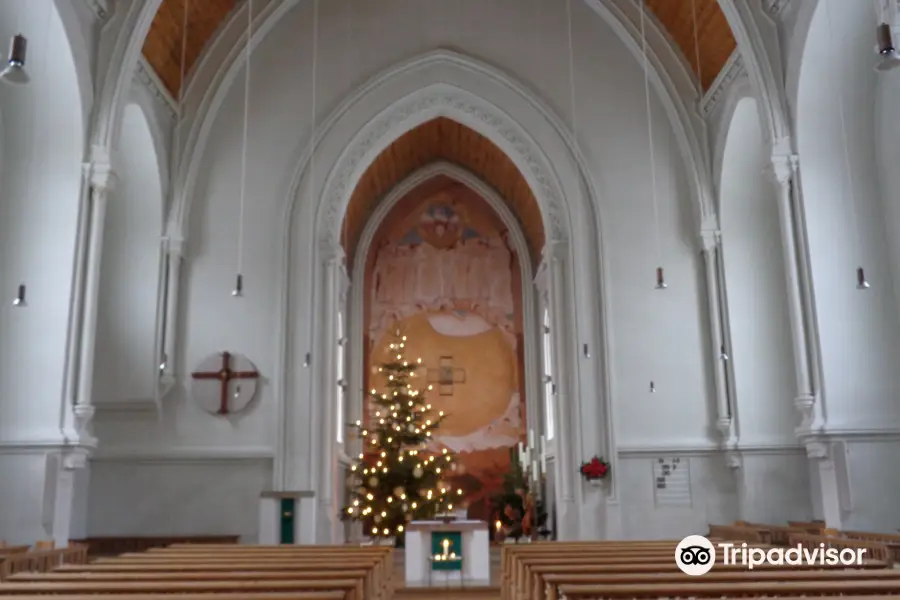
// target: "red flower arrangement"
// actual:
[[596, 468]]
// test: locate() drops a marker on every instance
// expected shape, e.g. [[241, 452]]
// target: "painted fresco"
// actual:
[[443, 271]]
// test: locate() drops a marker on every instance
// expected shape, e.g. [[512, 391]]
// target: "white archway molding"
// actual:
[[534, 408], [737, 91], [446, 84], [143, 98], [796, 52], [677, 91], [762, 60], [118, 53]]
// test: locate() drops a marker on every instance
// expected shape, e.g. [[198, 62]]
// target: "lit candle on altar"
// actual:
[[498, 524], [446, 545]]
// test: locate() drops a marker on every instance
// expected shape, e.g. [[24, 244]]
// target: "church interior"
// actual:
[[448, 298]]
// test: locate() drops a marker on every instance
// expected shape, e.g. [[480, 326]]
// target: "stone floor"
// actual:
[[453, 591]]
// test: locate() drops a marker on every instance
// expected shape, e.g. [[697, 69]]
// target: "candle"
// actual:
[[498, 524], [521, 453], [531, 438]]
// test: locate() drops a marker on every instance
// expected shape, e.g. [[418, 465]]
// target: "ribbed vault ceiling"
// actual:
[[163, 47]]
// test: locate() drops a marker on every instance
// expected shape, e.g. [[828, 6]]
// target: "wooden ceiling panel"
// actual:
[[163, 46], [716, 41], [447, 140]]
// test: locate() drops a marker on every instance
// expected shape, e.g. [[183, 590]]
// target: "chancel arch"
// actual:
[[449, 85], [496, 310]]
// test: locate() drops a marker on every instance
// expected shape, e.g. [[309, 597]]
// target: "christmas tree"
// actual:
[[401, 476]]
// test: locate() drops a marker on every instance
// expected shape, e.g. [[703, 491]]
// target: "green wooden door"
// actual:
[[287, 520]]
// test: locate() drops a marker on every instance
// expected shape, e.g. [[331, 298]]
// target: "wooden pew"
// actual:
[[43, 561], [720, 590], [740, 533], [810, 527], [112, 545], [326, 595], [528, 567], [352, 588], [874, 550], [372, 566], [778, 535], [891, 540]]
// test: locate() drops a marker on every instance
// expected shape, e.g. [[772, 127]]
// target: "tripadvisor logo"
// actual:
[[695, 555]]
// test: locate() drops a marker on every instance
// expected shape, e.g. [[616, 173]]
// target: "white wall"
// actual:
[[761, 352], [125, 364], [39, 203], [858, 330], [40, 178], [177, 497]]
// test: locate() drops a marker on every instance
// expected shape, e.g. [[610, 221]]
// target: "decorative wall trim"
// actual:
[[39, 446], [707, 450], [136, 406], [732, 70], [774, 8], [184, 454], [145, 75]]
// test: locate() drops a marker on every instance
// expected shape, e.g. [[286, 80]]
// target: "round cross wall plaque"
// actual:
[[224, 383]]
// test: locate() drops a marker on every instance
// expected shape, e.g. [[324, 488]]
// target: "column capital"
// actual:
[[331, 251], [710, 239], [175, 245], [782, 167]]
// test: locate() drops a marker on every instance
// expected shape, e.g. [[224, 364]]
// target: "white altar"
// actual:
[[475, 554]]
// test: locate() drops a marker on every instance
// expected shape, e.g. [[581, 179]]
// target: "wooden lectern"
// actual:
[[279, 516]]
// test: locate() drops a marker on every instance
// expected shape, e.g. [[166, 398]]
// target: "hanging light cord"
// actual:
[[312, 112], [572, 72], [844, 138], [31, 121], [697, 50], [240, 240], [650, 130]]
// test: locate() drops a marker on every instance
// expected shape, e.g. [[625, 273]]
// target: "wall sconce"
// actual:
[[20, 297]]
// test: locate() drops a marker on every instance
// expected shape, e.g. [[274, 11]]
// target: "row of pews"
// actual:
[[43, 556], [192, 571], [647, 569]]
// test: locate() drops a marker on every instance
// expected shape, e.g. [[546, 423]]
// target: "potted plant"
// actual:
[[594, 470]]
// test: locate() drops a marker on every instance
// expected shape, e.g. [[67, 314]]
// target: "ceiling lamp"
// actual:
[[887, 54], [14, 72]]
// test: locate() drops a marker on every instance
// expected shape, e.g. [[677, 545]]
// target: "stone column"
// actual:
[[551, 278], [724, 423], [102, 181], [174, 259], [325, 424], [782, 170]]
